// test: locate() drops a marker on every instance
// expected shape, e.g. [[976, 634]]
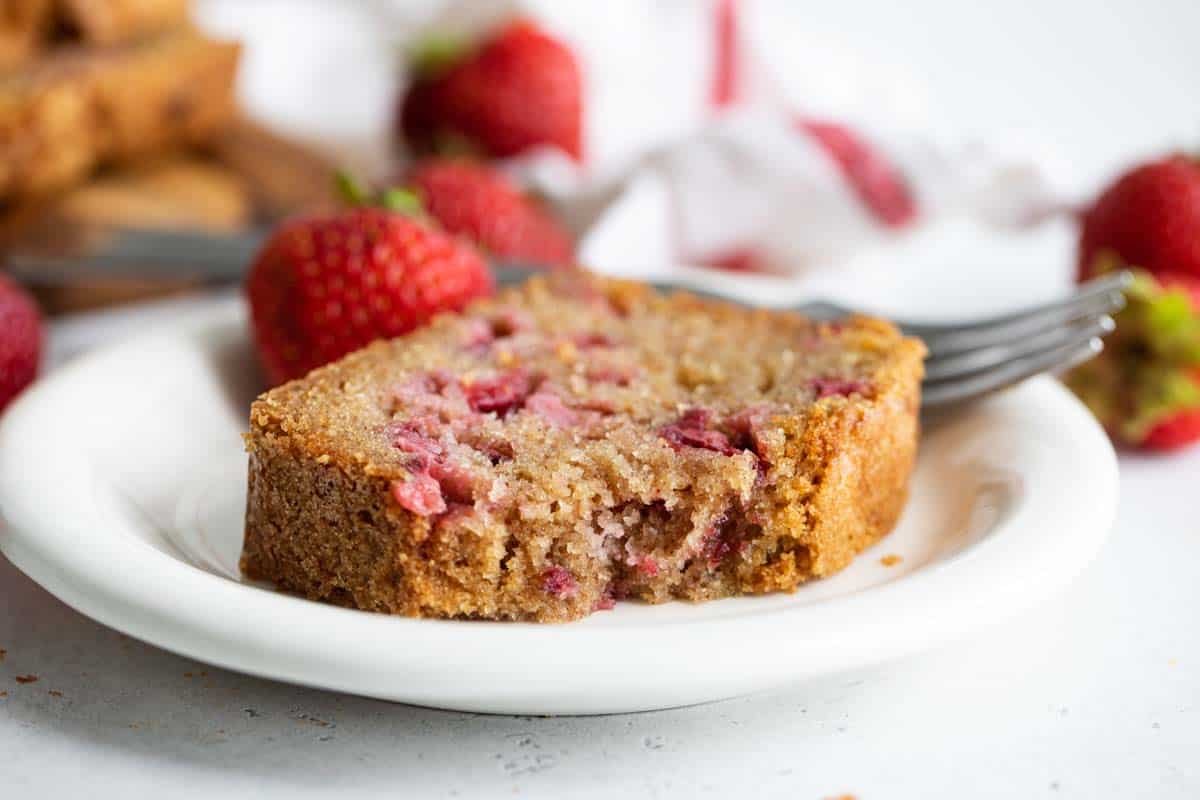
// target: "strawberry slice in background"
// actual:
[[516, 90]]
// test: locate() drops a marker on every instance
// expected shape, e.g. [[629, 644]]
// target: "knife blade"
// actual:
[[97, 253], [91, 253]]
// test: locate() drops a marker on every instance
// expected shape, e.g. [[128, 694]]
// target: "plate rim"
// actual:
[[182, 608]]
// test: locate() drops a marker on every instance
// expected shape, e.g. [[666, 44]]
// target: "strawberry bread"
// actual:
[[579, 441]]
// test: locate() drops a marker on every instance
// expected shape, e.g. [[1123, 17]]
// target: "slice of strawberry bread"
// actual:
[[580, 441]]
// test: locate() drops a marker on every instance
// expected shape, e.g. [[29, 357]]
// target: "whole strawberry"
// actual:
[[473, 200], [1145, 387], [1148, 218], [20, 340], [518, 89], [324, 286]]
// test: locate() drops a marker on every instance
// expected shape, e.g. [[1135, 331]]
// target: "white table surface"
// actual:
[[1093, 695]]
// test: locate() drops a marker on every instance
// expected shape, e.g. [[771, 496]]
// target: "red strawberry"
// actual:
[[1179, 430], [1149, 218], [1145, 387], [20, 340], [324, 286], [473, 200], [520, 89]]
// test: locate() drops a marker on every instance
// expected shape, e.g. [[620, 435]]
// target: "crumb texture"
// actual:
[[577, 442]]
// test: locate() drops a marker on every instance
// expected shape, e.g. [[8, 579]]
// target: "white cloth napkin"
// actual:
[[696, 148], [695, 136]]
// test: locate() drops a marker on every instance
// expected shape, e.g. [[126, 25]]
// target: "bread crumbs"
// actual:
[[890, 560], [55, 693], [27, 679]]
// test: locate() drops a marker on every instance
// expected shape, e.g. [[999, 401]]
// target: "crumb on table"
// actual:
[[27, 679], [890, 560]]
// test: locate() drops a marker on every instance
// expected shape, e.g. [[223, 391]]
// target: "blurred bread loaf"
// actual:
[[245, 177], [63, 116], [28, 27], [24, 24], [107, 22], [180, 191], [121, 113], [283, 176]]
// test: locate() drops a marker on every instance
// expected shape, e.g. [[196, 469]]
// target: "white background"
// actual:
[[1095, 695], [1090, 83]]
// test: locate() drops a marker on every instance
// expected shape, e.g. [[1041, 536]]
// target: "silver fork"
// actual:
[[971, 359], [966, 359], [974, 358]]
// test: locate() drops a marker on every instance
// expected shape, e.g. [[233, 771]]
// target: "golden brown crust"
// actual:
[[107, 22], [172, 192], [579, 514], [29, 28], [80, 109], [23, 26]]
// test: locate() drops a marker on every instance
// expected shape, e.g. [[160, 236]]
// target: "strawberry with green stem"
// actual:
[[323, 286], [1145, 387], [471, 199]]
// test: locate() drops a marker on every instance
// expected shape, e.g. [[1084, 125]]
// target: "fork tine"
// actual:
[[1099, 296], [956, 340], [1055, 359], [1096, 287], [970, 361]]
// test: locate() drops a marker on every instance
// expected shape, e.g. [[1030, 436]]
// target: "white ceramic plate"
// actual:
[[122, 480]]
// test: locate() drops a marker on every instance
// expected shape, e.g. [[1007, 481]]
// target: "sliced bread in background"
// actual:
[[24, 25], [78, 109], [107, 22]]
